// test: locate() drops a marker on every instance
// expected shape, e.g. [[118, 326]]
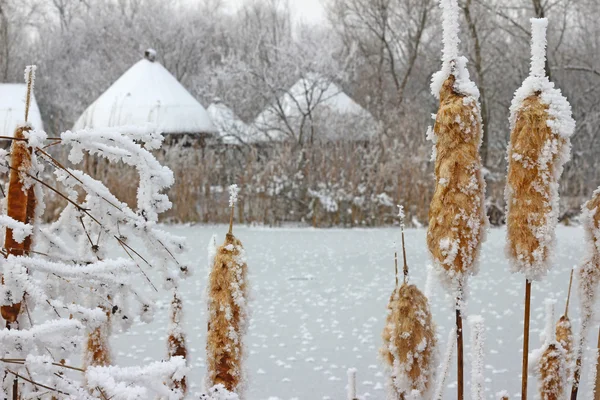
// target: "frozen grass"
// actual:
[[318, 308]]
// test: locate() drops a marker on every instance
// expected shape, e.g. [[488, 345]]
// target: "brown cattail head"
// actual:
[[541, 126], [97, 350], [564, 337], [552, 382], [532, 158], [456, 214], [17, 207], [409, 341], [227, 316], [176, 340]]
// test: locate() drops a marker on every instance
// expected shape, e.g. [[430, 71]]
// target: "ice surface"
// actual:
[[318, 308]]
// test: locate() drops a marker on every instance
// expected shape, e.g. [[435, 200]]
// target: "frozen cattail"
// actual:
[[97, 350], [457, 217], [541, 125], [456, 214], [227, 314], [17, 206], [589, 279], [564, 336], [176, 340], [409, 342], [552, 365]]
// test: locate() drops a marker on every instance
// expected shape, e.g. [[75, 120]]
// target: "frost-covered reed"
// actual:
[[227, 313], [541, 125]]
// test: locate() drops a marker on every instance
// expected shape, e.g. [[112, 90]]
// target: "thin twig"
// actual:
[[36, 383], [140, 268], [21, 361], [14, 138]]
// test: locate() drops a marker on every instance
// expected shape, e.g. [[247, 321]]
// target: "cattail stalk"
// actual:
[[589, 281], [227, 313], [597, 383], [176, 342], [539, 147], [564, 331], [444, 369], [477, 365], [352, 384]]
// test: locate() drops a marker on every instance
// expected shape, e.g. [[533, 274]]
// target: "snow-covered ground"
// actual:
[[318, 306]]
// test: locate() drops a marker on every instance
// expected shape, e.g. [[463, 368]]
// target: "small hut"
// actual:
[[12, 108], [315, 109], [148, 94], [232, 130]]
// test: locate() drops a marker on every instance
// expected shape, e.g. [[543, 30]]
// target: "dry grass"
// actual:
[[456, 213], [227, 319], [17, 208], [529, 181], [409, 324]]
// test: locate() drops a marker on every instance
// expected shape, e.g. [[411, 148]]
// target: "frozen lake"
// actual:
[[319, 301]]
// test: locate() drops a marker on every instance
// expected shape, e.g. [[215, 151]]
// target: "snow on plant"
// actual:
[[82, 270], [589, 278], [218, 392], [444, 368], [477, 365]]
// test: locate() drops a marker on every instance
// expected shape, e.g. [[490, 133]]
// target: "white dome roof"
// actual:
[[231, 128], [12, 108], [147, 94]]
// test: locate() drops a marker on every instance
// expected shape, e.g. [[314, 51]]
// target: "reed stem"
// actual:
[[526, 339]]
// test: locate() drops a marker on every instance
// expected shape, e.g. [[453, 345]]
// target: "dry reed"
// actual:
[[176, 342], [551, 375]]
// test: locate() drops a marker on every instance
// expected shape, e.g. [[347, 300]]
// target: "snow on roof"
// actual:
[[232, 129], [12, 108], [327, 105], [147, 94]]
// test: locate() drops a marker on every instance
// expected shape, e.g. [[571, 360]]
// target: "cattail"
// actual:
[[176, 340], [408, 337], [457, 217], [564, 331], [553, 364], [589, 280], [97, 350], [20, 164], [541, 125], [227, 313], [409, 341]]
